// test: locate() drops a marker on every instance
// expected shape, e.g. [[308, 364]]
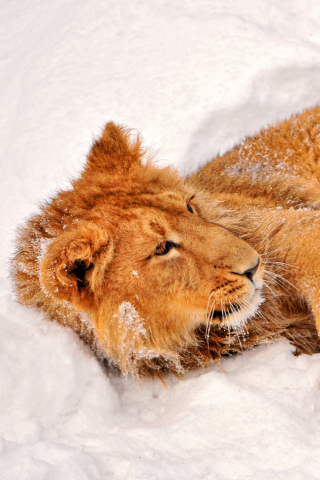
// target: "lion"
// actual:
[[160, 273]]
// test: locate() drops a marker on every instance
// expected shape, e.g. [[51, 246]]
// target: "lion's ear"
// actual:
[[114, 151], [75, 263]]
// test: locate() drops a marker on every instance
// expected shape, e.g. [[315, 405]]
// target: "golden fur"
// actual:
[[160, 273]]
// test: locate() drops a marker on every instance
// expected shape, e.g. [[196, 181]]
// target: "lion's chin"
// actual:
[[238, 316]]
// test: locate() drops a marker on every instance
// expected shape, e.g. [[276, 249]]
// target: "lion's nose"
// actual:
[[251, 271]]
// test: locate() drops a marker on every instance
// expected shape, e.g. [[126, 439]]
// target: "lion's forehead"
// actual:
[[151, 228], [155, 218], [133, 205]]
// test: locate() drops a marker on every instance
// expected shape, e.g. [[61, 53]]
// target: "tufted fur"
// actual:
[[96, 257]]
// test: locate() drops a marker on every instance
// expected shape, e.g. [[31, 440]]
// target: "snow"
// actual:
[[195, 78]]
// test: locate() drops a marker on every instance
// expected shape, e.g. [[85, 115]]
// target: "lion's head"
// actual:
[[131, 249]]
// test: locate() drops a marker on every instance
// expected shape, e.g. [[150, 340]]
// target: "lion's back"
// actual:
[[277, 167]]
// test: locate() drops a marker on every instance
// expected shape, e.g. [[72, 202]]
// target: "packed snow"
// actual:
[[195, 77]]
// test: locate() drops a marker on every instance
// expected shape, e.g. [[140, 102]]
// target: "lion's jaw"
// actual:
[[239, 317]]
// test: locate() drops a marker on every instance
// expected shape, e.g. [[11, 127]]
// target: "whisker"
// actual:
[[270, 289], [270, 252], [208, 318], [280, 278], [209, 304], [283, 264], [208, 326]]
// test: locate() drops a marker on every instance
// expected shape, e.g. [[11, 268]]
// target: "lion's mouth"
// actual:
[[238, 313], [221, 314]]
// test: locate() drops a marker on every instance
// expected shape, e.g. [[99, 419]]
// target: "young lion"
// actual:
[[160, 273]]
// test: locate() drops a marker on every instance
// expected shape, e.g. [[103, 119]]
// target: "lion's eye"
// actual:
[[165, 248], [190, 208]]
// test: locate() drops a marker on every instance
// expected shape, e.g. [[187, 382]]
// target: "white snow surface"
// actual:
[[194, 77]]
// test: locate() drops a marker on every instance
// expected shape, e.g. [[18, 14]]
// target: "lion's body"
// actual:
[[153, 284]]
